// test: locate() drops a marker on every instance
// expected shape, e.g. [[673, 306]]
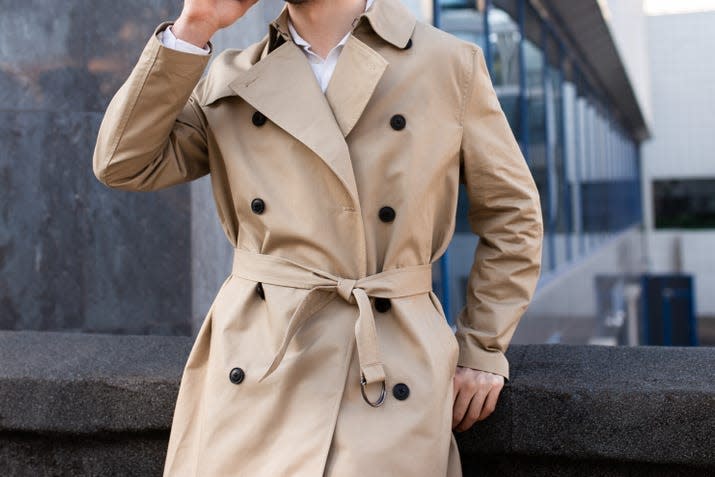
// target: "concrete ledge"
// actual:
[[90, 404], [617, 406], [80, 383]]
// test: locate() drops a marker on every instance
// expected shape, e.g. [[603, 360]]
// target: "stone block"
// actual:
[[73, 401]]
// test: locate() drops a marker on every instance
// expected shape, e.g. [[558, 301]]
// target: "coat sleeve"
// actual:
[[153, 133], [505, 212]]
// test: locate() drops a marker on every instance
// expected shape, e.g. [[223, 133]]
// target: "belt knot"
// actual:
[[345, 289], [394, 283]]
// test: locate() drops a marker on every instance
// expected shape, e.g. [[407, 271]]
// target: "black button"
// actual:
[[400, 391], [258, 206], [382, 304], [259, 290], [398, 122], [408, 45], [258, 119], [236, 375], [386, 214]]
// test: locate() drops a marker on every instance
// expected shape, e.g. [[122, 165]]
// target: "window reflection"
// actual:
[[504, 46], [557, 176], [536, 104], [504, 38], [463, 20]]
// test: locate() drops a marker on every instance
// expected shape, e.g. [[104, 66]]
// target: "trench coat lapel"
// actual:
[[282, 86], [359, 67], [357, 72]]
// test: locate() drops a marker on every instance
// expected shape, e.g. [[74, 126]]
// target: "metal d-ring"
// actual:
[[383, 393]]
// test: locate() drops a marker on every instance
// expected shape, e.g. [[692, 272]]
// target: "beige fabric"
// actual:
[[324, 165]]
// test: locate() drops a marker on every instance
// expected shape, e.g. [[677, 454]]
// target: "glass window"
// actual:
[[504, 40], [534, 60], [456, 4], [571, 145], [580, 165], [536, 147], [463, 20], [504, 46], [557, 172], [687, 203]]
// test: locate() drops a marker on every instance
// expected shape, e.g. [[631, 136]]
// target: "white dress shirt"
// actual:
[[168, 39], [322, 67]]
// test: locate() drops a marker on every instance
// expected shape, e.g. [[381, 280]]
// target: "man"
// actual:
[[335, 148]]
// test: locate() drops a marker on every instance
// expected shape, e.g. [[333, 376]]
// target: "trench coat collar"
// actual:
[[282, 86], [390, 19]]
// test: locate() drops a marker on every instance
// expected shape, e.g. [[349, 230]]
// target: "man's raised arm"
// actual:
[[153, 134]]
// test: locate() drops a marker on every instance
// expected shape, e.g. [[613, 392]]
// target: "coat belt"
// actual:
[[324, 286]]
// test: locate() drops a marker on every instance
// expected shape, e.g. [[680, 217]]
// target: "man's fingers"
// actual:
[[474, 410], [475, 396], [461, 405], [464, 389], [490, 403]]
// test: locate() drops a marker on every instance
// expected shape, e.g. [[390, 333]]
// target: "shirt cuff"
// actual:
[[167, 38]]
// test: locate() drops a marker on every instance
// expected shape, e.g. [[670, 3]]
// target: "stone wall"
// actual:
[[74, 254], [78, 404]]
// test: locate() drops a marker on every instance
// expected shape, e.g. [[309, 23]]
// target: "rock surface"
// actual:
[[93, 404]]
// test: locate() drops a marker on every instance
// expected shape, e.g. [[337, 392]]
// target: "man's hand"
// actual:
[[475, 396], [200, 19]]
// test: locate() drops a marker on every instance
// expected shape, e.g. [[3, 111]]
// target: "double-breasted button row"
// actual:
[[386, 213], [236, 375], [400, 390], [397, 121]]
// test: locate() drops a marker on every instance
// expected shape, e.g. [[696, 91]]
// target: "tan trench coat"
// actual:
[[337, 205]]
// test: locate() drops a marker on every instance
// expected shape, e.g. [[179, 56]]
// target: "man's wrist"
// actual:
[[169, 40], [191, 29]]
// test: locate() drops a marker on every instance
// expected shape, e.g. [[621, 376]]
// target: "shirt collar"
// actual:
[[390, 19]]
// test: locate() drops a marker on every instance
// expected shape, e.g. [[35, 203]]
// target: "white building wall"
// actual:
[[683, 145], [683, 76]]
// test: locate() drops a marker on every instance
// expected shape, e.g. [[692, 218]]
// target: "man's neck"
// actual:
[[323, 23]]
